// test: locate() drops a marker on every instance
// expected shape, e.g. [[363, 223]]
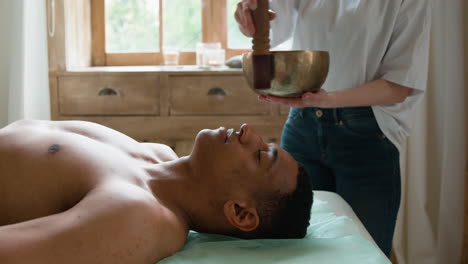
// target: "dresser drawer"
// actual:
[[109, 95], [213, 95]]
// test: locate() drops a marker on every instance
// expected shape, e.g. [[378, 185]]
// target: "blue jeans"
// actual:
[[344, 151]]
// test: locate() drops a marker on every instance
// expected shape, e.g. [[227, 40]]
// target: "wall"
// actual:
[[24, 91], [4, 30], [465, 16], [10, 14], [35, 73]]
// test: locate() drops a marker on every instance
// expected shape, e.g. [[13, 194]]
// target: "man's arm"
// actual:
[[105, 227]]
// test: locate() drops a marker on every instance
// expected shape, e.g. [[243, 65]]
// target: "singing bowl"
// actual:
[[295, 72]]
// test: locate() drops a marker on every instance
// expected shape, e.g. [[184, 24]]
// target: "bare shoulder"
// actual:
[[138, 216], [19, 124], [161, 152]]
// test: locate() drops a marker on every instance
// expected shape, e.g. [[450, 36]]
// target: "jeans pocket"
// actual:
[[293, 114], [363, 127]]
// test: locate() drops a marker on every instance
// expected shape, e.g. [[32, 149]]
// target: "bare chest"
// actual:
[[50, 175]]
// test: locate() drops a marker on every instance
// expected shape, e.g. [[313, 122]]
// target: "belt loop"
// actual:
[[335, 115], [301, 113]]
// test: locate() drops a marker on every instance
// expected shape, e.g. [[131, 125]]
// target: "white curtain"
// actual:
[[24, 91], [430, 224]]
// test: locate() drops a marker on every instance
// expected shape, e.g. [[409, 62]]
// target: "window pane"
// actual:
[[236, 40], [182, 24], [132, 26]]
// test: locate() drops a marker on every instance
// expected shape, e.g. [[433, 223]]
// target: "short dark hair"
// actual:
[[285, 215]]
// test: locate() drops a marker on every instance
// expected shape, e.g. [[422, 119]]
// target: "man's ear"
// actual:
[[241, 216]]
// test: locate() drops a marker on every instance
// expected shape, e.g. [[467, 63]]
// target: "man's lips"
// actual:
[[224, 133], [227, 134]]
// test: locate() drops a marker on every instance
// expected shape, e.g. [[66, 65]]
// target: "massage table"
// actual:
[[335, 235]]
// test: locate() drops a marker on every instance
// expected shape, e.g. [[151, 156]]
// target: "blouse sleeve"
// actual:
[[406, 60], [283, 25]]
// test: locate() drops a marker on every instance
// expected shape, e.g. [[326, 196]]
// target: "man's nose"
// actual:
[[250, 137]]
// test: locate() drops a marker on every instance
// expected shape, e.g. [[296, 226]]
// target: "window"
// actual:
[[136, 32]]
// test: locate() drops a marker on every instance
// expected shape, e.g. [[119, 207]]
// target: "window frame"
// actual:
[[214, 29]]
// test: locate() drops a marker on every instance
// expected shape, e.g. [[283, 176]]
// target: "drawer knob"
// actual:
[[216, 91], [106, 91]]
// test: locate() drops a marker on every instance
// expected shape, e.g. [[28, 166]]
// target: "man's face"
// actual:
[[242, 161]]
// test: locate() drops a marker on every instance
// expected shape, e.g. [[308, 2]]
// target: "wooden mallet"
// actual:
[[262, 59]]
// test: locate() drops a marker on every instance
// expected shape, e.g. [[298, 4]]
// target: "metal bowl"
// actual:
[[295, 72]]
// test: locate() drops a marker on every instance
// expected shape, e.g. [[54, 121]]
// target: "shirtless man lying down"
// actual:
[[79, 192]]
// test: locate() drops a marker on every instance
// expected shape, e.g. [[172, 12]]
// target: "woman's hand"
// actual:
[[243, 16], [378, 92], [321, 99]]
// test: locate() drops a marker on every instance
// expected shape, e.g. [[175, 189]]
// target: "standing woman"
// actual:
[[349, 134]]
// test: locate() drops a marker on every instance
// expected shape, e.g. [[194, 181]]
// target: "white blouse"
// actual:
[[367, 40]]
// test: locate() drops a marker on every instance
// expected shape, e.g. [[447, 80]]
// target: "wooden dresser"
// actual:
[[164, 105]]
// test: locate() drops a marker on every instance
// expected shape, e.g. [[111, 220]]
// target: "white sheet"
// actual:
[[341, 208]]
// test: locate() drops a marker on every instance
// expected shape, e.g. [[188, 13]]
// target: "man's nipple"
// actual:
[[54, 148]]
